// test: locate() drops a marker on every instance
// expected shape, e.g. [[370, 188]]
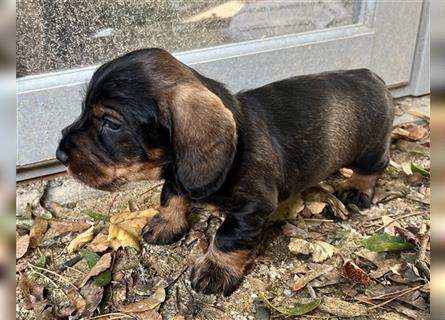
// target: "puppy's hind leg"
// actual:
[[359, 188]]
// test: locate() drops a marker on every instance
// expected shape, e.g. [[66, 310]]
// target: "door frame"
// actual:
[[382, 35]]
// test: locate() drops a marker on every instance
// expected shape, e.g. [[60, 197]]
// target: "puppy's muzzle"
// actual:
[[62, 156]]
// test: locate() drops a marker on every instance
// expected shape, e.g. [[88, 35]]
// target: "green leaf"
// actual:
[[41, 263], [46, 215], [385, 242], [422, 171], [103, 278], [96, 216], [90, 256], [295, 311], [24, 223], [353, 207]]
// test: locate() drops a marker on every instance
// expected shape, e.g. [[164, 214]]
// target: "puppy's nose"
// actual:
[[62, 156]]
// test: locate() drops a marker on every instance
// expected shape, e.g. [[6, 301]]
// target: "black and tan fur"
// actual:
[[148, 116]]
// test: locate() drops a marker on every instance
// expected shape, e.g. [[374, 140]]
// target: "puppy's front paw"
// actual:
[[360, 199], [161, 231], [219, 272]]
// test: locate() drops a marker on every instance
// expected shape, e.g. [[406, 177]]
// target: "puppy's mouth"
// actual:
[[98, 181], [112, 178]]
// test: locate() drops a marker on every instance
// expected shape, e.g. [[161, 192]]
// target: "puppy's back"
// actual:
[[322, 122]]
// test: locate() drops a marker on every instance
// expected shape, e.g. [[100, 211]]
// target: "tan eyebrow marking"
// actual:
[[100, 110]]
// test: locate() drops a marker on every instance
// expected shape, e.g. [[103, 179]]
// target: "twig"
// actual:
[[176, 279], [421, 259], [152, 188], [50, 280], [398, 218], [319, 220], [74, 269], [114, 314], [402, 293], [53, 273], [416, 113], [112, 203]]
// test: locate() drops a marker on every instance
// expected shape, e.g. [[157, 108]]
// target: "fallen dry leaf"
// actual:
[[390, 225], [346, 172], [149, 303], [76, 300], [407, 235], [309, 276], [103, 264], [351, 271], [93, 295], [64, 226], [148, 315], [126, 227], [291, 230], [288, 209], [411, 131], [38, 230], [31, 292], [82, 239], [315, 207], [100, 243], [320, 195], [21, 245], [319, 250], [341, 308], [392, 316]]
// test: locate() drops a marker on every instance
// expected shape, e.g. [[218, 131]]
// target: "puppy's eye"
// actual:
[[111, 123]]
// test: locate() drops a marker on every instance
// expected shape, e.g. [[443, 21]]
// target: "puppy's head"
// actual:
[[142, 113]]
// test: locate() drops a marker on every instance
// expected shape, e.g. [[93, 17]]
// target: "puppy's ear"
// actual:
[[204, 139]]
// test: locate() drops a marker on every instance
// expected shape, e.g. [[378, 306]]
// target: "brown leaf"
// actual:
[[407, 235], [21, 245], [21, 266], [390, 225], [378, 259], [103, 264], [82, 239], [320, 195], [319, 250], [148, 315], [346, 172], [38, 230], [316, 207], [342, 308], [31, 291], [77, 300], [118, 276], [309, 276], [410, 312], [411, 131], [93, 295], [126, 227], [291, 230], [64, 226], [149, 303], [100, 243], [351, 271]]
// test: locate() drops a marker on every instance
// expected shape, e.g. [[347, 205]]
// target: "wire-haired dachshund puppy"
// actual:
[[148, 116]]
